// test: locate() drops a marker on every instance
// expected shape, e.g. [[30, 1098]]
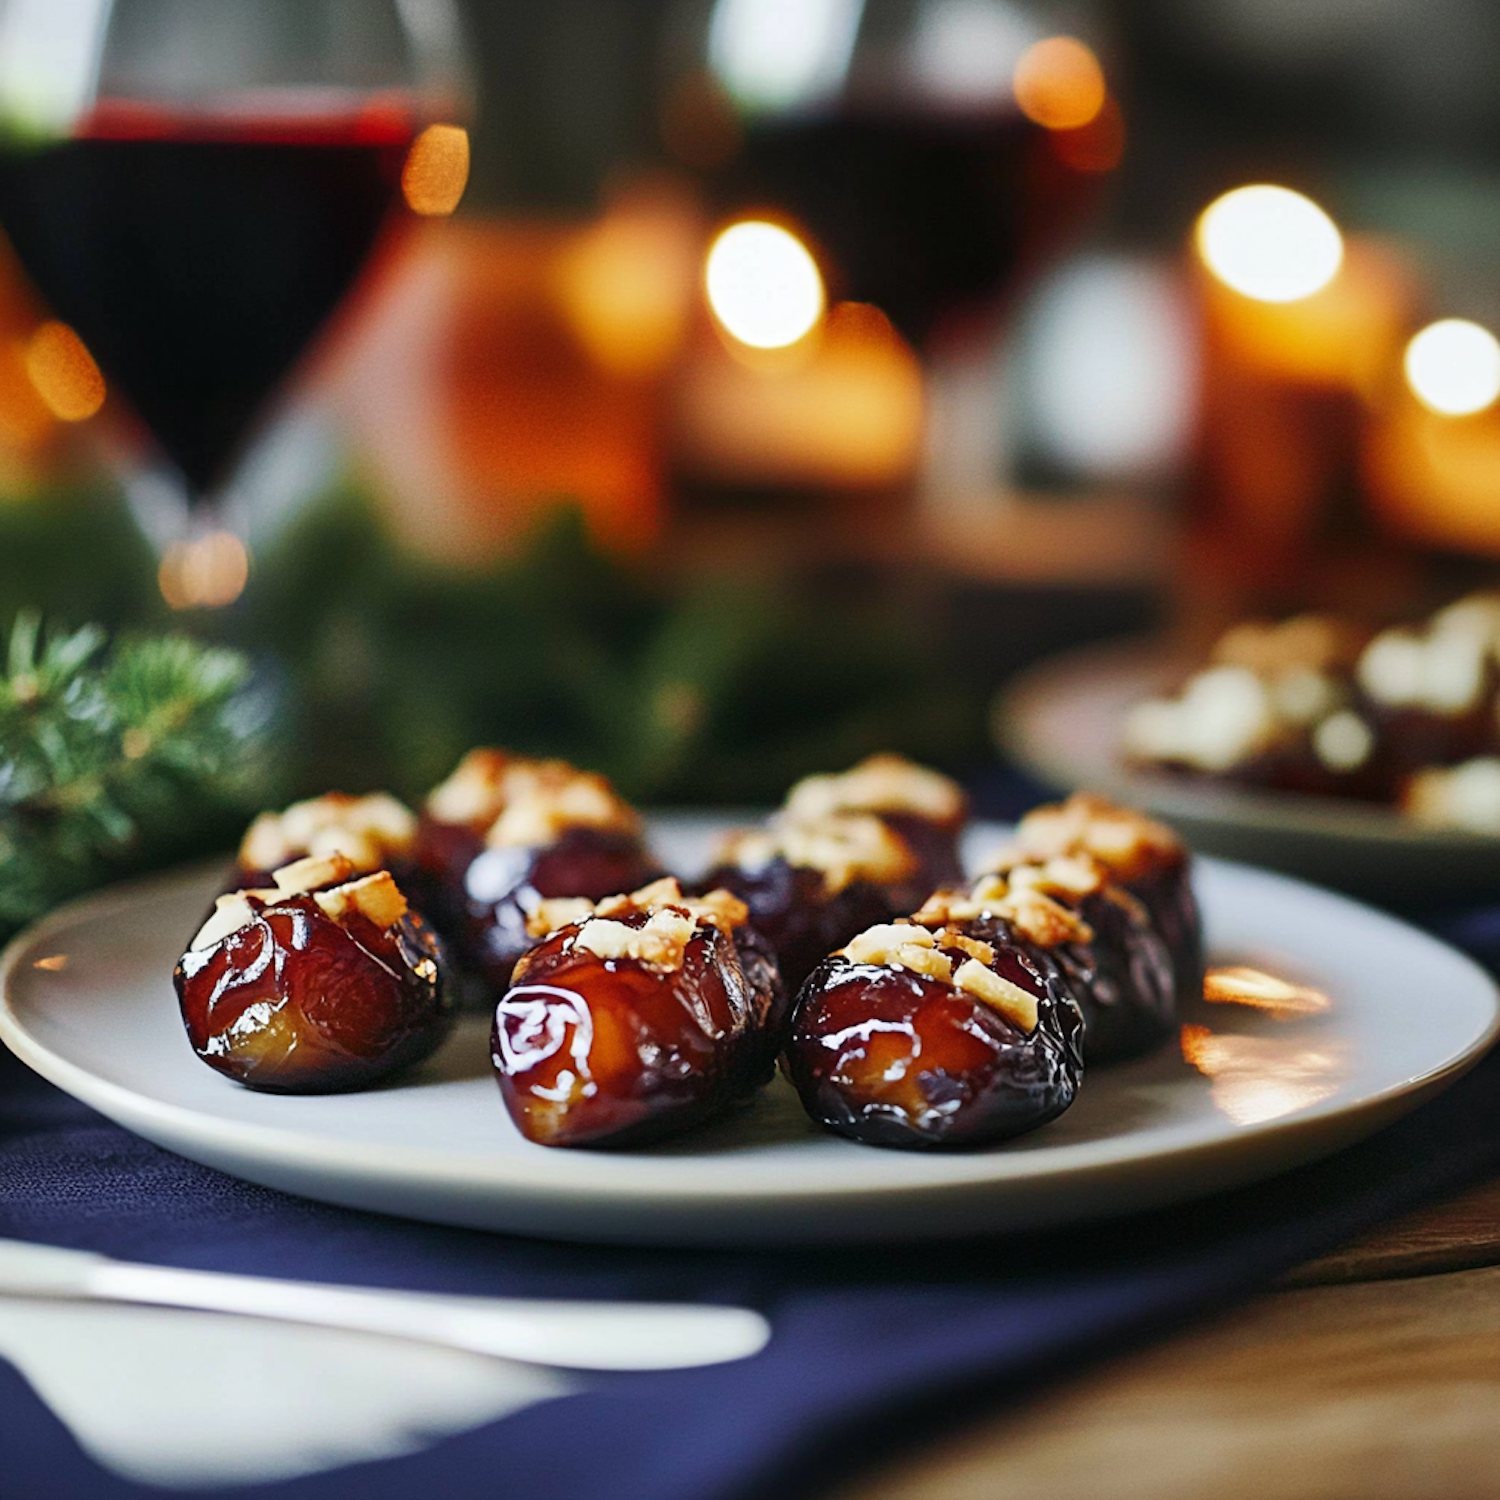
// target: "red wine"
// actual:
[[930, 217], [197, 257]]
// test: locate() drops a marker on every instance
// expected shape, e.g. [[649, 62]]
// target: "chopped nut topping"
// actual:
[[475, 792], [1033, 913], [952, 938], [544, 805], [1018, 1006], [556, 912], [231, 912], [900, 945], [915, 948], [312, 873], [1044, 921], [1224, 716], [660, 945], [982, 899], [878, 784], [662, 898], [1442, 671], [843, 847], [520, 802], [1125, 842], [376, 897], [1063, 875], [369, 831]]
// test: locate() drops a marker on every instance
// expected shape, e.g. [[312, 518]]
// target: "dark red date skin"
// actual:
[[803, 921], [479, 898], [1166, 891], [1123, 980], [606, 1052], [893, 1058], [296, 1003]]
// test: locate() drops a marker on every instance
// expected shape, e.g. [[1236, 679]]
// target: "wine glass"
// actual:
[[194, 186], [934, 154]]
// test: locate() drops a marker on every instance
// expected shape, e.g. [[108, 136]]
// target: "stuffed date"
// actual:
[[635, 1018], [1142, 858], [927, 1037], [505, 833], [323, 981], [1117, 965], [845, 852]]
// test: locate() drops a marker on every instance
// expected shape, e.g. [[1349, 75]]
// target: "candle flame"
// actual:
[[1269, 243], [1453, 367], [763, 285]]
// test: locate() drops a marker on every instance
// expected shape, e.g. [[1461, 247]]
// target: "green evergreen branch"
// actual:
[[115, 759]]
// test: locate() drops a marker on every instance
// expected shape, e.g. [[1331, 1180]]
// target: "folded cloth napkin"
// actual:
[[872, 1345]]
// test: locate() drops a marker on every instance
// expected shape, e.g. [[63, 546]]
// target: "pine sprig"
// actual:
[[115, 758]]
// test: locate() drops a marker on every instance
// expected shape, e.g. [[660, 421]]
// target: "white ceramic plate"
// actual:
[[1063, 721], [87, 1001]]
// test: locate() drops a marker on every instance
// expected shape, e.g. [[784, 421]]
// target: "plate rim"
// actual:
[[294, 1148], [1283, 812]]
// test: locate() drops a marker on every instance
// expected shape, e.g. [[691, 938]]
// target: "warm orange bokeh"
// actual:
[[845, 412], [205, 573], [1058, 83], [64, 373], [1433, 479], [626, 283], [437, 170], [473, 392]]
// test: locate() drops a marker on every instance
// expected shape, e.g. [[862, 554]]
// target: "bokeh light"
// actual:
[[1453, 367], [63, 373], [763, 285], [1058, 83], [1269, 243], [436, 171], [207, 572]]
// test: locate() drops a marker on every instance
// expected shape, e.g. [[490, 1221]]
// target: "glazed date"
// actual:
[[505, 833], [485, 908], [799, 915], [888, 1054], [312, 995], [1141, 856], [625, 1028]]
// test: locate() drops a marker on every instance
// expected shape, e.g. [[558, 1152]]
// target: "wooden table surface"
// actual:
[[1371, 1374]]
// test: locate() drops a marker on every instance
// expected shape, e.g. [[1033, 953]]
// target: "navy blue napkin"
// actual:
[[872, 1346]]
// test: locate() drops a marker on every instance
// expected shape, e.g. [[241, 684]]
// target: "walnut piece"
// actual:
[[842, 847], [672, 921], [231, 912], [312, 873], [369, 831], [376, 897], [879, 784], [660, 945], [1127, 843], [910, 946], [1018, 1006]]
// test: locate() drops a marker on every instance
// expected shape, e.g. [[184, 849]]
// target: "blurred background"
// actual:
[[794, 372]]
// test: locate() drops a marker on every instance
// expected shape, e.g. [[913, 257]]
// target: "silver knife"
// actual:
[[571, 1335]]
